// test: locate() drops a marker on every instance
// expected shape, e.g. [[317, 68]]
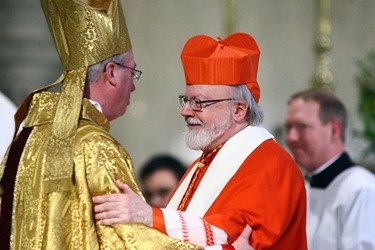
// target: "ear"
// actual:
[[240, 110], [109, 73], [336, 128]]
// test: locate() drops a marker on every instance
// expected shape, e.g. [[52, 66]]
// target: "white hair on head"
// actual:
[[254, 115]]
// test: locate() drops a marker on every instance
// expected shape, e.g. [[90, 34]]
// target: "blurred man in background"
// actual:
[[341, 194], [159, 177]]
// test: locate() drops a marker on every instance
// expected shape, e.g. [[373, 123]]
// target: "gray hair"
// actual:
[[94, 71], [254, 115]]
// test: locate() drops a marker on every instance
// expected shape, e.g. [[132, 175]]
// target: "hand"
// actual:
[[242, 241], [126, 207]]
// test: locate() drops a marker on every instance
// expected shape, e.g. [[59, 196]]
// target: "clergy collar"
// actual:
[[96, 105], [325, 165], [325, 177]]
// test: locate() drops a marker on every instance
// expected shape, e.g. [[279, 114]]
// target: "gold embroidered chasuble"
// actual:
[[63, 219]]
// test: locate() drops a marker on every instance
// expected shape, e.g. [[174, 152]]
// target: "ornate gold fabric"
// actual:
[[60, 148], [85, 32], [64, 219]]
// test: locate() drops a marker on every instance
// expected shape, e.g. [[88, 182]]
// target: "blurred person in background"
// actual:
[[341, 194], [159, 176]]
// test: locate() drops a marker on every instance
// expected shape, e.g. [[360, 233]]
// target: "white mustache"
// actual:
[[191, 121]]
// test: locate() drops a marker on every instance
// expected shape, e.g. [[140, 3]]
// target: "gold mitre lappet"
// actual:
[[85, 32]]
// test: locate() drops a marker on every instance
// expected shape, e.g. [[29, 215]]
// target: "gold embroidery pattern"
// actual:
[[64, 220], [86, 32]]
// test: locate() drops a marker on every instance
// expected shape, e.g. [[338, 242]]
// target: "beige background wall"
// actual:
[[284, 30]]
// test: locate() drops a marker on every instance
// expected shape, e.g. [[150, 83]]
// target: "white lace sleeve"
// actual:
[[183, 226]]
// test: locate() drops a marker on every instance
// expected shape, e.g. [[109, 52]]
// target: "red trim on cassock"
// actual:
[[158, 220]]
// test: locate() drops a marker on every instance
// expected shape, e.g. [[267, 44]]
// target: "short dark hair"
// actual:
[[163, 161]]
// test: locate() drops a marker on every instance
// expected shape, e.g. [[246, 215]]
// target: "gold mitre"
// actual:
[[85, 32]]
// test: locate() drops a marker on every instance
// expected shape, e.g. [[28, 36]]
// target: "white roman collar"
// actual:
[[96, 105]]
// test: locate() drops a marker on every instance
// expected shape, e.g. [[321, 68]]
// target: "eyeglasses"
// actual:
[[135, 73], [198, 105]]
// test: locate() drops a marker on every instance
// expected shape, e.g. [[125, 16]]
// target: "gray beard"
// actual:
[[200, 139]]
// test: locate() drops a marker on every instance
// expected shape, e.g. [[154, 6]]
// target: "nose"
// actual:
[[187, 110], [291, 135]]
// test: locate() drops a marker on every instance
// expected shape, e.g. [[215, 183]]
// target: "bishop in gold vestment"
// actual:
[[64, 219], [64, 154]]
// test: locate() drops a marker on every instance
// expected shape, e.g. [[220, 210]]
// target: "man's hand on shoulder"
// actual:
[[122, 208]]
